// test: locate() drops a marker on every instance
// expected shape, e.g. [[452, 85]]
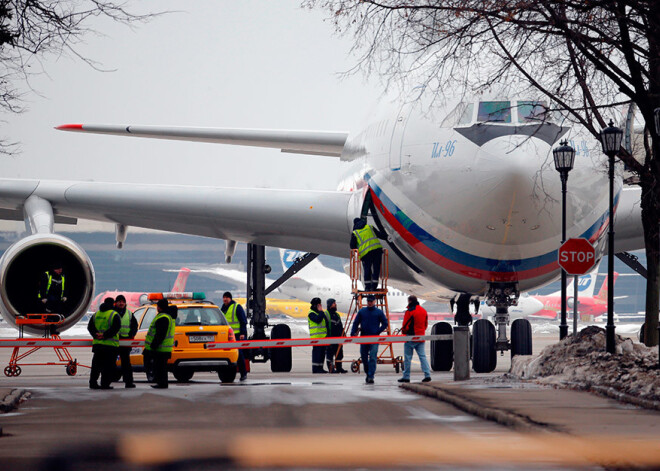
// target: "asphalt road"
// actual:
[[272, 420]]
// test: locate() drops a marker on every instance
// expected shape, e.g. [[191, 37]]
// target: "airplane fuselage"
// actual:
[[471, 203]]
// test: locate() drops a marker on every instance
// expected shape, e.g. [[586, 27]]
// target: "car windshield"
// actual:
[[200, 316]]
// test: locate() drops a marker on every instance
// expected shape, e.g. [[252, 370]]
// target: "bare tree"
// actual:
[[587, 56], [31, 30]]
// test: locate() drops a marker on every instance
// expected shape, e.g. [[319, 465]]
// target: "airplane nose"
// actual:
[[510, 173]]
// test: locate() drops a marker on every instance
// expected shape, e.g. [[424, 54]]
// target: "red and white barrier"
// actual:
[[307, 342]]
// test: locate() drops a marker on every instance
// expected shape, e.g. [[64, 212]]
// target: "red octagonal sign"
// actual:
[[577, 256]]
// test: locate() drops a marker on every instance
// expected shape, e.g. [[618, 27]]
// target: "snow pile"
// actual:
[[582, 360]]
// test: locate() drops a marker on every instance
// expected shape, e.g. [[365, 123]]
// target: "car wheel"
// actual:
[[227, 374], [183, 375]]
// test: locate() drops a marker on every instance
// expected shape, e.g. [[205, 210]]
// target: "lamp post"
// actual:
[[610, 139], [656, 118], [564, 156]]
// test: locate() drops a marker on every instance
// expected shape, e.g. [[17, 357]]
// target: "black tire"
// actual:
[[71, 369], [642, 332], [484, 358], [521, 337], [183, 375], [355, 367], [9, 372], [280, 358], [227, 374], [442, 351]]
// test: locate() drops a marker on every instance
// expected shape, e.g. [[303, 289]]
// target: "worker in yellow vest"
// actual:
[[319, 326], [129, 327], [365, 239], [159, 343], [235, 316], [104, 327], [52, 290]]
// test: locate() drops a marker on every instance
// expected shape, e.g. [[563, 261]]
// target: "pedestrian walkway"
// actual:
[[527, 406]]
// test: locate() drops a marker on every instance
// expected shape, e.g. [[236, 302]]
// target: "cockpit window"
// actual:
[[494, 111], [532, 112], [459, 116]]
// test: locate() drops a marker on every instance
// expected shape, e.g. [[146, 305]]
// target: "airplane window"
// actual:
[[461, 115], [532, 112], [466, 115], [494, 111]]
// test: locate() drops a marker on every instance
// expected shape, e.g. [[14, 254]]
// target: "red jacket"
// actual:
[[419, 318]]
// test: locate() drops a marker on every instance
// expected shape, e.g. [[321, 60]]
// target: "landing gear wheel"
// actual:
[[280, 358], [484, 358], [442, 351], [355, 367], [227, 374], [9, 371], [521, 337], [183, 375], [71, 369]]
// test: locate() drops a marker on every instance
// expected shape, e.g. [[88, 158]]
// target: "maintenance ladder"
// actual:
[[386, 355]]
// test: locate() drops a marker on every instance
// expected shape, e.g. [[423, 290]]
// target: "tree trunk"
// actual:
[[650, 220]]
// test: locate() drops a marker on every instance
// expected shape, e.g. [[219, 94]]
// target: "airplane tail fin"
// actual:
[[602, 293], [288, 258], [586, 284], [181, 280]]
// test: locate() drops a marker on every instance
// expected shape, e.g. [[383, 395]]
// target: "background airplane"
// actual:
[[315, 279], [588, 304], [133, 297]]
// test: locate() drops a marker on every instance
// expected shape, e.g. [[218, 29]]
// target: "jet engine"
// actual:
[[24, 263]]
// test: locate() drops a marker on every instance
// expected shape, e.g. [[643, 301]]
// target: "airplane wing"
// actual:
[[315, 221], [298, 142]]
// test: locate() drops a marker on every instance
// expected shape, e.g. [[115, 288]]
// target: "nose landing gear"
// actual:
[[485, 344]]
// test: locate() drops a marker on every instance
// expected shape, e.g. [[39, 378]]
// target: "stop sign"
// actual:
[[577, 256]]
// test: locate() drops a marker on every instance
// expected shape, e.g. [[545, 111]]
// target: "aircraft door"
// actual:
[[396, 144]]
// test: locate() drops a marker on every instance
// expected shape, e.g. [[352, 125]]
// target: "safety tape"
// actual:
[[326, 341], [307, 342]]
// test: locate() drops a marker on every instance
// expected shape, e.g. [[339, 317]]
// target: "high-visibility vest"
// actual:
[[102, 322], [125, 324], [232, 318], [50, 281], [367, 240], [168, 342], [317, 330]]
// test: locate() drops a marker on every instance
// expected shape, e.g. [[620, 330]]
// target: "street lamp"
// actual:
[[564, 156], [610, 139]]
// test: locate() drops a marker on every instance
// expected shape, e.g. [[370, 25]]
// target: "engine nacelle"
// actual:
[[22, 266]]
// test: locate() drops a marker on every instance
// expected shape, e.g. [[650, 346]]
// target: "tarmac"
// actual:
[[305, 421]]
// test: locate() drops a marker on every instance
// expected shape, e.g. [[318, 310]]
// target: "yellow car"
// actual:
[[198, 322]]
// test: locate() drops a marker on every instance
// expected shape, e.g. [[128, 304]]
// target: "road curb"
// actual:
[[501, 416], [11, 400]]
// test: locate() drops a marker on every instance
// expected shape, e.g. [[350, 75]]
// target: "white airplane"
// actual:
[[467, 194]]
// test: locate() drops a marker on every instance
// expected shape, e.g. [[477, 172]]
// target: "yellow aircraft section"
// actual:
[[289, 307]]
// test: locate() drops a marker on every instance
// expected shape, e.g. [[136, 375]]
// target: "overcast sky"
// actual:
[[247, 64]]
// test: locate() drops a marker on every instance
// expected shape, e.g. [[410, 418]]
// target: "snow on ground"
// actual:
[[582, 361]]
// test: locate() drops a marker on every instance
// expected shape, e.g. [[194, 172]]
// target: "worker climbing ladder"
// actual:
[[386, 354]]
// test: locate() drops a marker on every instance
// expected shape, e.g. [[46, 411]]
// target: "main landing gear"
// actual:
[[489, 338]]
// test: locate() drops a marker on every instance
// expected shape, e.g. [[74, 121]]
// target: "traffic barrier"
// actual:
[[306, 342]]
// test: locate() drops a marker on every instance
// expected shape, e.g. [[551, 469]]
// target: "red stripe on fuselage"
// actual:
[[451, 265]]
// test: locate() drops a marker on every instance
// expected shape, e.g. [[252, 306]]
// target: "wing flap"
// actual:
[[304, 142]]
